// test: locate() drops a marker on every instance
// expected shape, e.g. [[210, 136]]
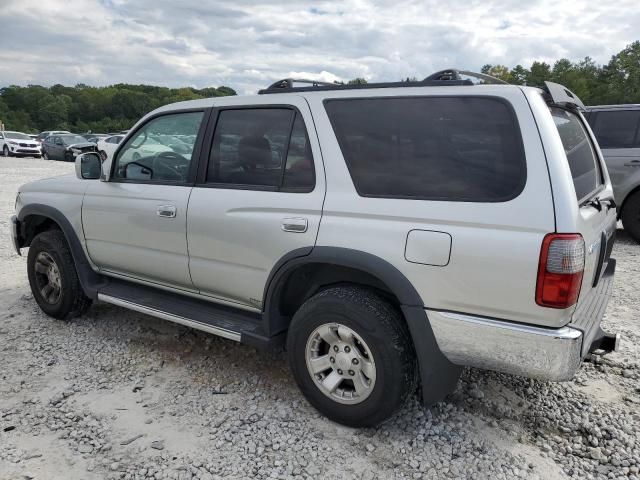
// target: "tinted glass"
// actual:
[[299, 174], [433, 148], [581, 156], [616, 129], [249, 147], [143, 158]]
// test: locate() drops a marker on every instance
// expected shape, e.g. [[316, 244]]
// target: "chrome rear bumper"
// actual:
[[536, 352]]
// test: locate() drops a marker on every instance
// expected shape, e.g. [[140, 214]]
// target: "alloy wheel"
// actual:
[[48, 278], [340, 363]]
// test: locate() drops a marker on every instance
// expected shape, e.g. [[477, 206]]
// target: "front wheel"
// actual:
[[45, 156], [5, 151], [631, 216], [352, 356], [53, 278]]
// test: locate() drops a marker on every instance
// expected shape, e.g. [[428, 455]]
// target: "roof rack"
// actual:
[[448, 77]]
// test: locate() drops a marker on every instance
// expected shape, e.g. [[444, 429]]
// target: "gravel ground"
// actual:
[[116, 394]]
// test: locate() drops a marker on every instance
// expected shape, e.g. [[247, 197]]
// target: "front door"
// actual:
[[135, 223], [259, 198]]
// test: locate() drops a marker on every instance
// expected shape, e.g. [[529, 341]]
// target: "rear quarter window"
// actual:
[[581, 155], [466, 149]]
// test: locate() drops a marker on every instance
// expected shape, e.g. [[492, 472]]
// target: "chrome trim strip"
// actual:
[[221, 332], [536, 352]]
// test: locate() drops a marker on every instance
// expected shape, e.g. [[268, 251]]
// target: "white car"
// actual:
[[18, 144], [107, 146]]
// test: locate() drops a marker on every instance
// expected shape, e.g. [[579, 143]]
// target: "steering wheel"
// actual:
[[166, 166]]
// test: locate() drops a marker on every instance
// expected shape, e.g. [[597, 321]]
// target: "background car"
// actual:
[[617, 128], [95, 137], [66, 147], [107, 146], [42, 135], [18, 144]]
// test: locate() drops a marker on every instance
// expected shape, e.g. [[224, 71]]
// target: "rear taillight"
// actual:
[[560, 270]]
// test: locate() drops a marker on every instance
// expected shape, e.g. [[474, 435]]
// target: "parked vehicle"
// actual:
[[108, 145], [385, 233], [617, 128], [95, 137], [65, 147], [42, 135], [18, 144]]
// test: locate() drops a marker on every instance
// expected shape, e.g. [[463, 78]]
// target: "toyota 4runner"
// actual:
[[385, 234]]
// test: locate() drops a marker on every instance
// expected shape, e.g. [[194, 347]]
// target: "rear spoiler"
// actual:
[[561, 95]]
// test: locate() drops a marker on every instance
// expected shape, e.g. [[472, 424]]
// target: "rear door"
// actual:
[[618, 134], [597, 220], [258, 197]]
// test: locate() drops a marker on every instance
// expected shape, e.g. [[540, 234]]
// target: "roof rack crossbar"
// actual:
[[448, 77], [455, 74], [288, 83]]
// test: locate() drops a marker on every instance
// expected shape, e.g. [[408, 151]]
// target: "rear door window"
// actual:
[[581, 155], [465, 149], [617, 129]]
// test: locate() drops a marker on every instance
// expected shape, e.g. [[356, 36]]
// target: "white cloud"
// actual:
[[249, 44]]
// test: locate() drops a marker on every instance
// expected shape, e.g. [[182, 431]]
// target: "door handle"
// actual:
[[166, 211], [295, 225]]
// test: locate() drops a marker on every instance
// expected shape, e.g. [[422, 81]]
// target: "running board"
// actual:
[[227, 322]]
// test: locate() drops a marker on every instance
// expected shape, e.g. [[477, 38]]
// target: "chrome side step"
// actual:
[[222, 332]]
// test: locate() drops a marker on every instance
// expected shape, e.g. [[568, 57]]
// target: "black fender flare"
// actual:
[[438, 375], [89, 279]]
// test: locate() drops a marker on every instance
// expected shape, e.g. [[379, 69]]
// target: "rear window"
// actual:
[[619, 129], [465, 149], [583, 162]]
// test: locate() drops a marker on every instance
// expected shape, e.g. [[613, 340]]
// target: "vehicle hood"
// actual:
[[63, 183], [82, 145], [23, 143]]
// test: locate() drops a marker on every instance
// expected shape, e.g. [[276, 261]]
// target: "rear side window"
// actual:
[[432, 148], [583, 162], [264, 147], [617, 129]]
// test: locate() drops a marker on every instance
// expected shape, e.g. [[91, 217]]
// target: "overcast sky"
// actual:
[[249, 44]]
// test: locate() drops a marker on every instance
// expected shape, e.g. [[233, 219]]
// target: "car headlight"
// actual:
[[12, 142]]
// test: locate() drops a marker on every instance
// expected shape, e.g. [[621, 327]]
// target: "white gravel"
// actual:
[[116, 394]]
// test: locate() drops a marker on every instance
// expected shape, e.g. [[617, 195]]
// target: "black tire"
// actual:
[[103, 155], [45, 156], [631, 216], [72, 301], [68, 157], [5, 151], [384, 331]]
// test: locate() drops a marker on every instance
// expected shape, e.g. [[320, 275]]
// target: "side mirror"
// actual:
[[88, 166]]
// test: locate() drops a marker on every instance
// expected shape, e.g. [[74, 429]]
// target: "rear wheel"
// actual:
[[352, 356], [631, 216], [53, 277]]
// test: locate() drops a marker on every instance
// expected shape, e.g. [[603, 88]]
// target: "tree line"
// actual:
[[106, 109], [84, 108]]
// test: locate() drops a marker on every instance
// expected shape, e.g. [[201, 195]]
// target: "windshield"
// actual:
[[17, 136], [71, 139]]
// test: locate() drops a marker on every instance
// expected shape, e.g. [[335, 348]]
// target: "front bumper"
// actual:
[[15, 234], [535, 352]]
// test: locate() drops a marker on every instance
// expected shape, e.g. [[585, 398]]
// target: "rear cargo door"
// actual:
[[597, 216]]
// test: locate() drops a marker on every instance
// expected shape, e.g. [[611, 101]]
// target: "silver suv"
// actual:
[[617, 128], [385, 234]]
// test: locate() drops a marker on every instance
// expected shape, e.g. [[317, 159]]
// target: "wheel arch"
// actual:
[[36, 218], [303, 272]]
